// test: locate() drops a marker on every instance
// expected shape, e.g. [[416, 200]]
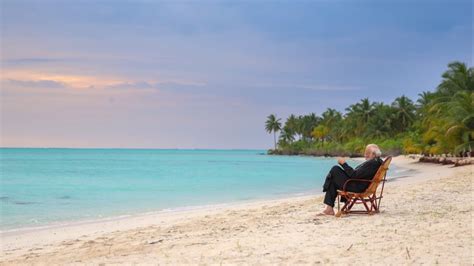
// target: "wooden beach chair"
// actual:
[[369, 198]]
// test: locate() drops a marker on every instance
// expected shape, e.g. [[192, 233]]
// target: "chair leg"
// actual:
[[378, 201], [339, 213], [351, 203], [366, 207], [373, 202]]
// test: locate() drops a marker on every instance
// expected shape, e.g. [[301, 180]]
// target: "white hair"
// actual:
[[374, 149]]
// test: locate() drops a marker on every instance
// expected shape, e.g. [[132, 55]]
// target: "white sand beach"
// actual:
[[426, 217]]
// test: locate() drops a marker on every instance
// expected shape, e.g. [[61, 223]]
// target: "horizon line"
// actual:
[[131, 148]]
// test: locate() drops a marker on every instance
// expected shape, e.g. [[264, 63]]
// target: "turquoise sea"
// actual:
[[48, 186]]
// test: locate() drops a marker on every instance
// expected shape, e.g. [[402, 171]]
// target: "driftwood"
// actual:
[[456, 161], [462, 162]]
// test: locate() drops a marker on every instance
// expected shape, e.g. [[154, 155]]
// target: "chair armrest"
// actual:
[[355, 180]]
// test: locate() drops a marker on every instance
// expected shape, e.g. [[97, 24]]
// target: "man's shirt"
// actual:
[[365, 170]]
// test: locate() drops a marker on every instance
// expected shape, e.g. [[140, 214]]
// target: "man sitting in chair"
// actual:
[[340, 174]]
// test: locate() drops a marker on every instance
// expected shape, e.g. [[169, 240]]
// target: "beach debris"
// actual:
[[239, 246], [457, 161], [197, 243], [152, 242], [408, 253], [349, 248]]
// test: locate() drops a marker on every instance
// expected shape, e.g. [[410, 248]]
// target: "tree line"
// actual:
[[438, 122]]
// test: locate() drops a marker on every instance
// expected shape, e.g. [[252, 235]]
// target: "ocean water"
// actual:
[[47, 186]]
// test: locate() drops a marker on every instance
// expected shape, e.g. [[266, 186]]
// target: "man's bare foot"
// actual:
[[328, 211]]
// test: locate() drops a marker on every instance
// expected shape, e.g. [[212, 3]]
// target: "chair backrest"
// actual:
[[379, 176]]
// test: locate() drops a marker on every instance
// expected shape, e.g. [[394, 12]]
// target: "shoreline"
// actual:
[[28, 238], [21, 245], [177, 210]]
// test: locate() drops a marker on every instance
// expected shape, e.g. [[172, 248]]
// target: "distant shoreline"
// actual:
[[318, 153], [439, 159]]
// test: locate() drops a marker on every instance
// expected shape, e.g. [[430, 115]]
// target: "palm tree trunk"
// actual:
[[274, 139]]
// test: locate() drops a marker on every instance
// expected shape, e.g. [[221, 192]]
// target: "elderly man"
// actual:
[[339, 175]]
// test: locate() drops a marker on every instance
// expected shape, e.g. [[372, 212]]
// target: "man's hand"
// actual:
[[341, 161]]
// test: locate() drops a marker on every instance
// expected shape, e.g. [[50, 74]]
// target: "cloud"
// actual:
[[43, 83], [171, 85], [132, 85], [32, 78], [43, 80], [33, 60]]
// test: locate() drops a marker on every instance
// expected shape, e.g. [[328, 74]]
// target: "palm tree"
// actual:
[[404, 111], [292, 125], [359, 114], [423, 103], [381, 123], [425, 98], [460, 120], [320, 133], [287, 135], [307, 124], [458, 77], [366, 109], [330, 116], [447, 120], [273, 124]]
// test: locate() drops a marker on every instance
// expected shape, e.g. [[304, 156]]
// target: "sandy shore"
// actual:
[[426, 218]]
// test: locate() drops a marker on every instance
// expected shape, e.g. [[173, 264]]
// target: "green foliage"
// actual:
[[447, 114], [391, 146], [411, 144], [356, 145], [439, 122]]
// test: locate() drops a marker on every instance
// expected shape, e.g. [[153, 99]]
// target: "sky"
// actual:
[[206, 74]]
